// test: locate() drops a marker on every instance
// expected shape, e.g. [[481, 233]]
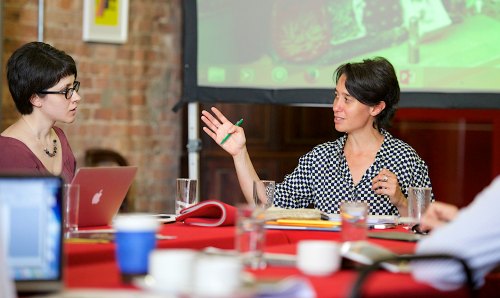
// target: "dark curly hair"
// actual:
[[370, 82]]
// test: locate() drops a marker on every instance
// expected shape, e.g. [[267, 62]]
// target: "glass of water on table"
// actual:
[[354, 215], [185, 195]]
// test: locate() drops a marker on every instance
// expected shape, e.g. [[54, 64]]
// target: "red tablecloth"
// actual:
[[184, 236], [339, 284], [400, 247], [93, 265]]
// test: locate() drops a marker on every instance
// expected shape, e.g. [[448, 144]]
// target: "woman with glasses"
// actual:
[[42, 82]]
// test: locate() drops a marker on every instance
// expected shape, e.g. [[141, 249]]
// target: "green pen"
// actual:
[[228, 135]]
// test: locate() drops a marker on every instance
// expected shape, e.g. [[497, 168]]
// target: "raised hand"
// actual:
[[218, 126]]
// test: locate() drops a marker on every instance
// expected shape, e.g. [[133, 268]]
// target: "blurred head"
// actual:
[[35, 67], [370, 82]]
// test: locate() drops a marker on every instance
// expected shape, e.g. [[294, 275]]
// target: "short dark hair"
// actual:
[[34, 67], [370, 82]]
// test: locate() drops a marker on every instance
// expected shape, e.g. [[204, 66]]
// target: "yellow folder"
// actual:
[[305, 223]]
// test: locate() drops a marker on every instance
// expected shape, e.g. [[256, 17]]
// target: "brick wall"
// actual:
[[127, 90]]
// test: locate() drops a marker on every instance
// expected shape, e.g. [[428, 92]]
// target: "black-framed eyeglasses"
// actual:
[[68, 93]]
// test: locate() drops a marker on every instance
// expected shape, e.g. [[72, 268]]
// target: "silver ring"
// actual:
[[385, 178]]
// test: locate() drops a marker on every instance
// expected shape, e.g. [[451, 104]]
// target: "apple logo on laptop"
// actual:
[[97, 197]]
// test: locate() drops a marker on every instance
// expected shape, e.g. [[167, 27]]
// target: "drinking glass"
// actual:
[[250, 235], [419, 199], [71, 197], [263, 193], [354, 215], [185, 195]]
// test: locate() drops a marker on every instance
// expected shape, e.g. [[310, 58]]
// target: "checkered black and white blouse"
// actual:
[[322, 177]]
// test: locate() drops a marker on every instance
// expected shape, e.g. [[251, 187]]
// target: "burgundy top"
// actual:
[[15, 156]]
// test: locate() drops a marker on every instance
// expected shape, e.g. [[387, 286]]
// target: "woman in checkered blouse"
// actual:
[[366, 164]]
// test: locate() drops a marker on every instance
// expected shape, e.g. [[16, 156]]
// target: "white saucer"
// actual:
[[149, 284]]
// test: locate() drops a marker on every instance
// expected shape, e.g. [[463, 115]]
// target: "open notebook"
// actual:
[[31, 231]]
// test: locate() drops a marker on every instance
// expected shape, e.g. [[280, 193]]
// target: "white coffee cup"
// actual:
[[217, 276], [318, 257], [172, 269]]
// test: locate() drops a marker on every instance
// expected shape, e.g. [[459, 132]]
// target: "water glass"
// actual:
[[354, 215], [71, 195], [263, 193], [419, 198], [250, 235], [185, 195]]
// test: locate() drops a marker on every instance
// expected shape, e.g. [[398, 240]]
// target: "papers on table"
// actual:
[[274, 213], [401, 236], [372, 219], [367, 253], [103, 236], [332, 224], [103, 293]]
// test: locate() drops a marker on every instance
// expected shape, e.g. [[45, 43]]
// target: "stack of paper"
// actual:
[[274, 213], [309, 219], [367, 253]]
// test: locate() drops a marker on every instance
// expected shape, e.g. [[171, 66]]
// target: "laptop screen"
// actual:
[[31, 223]]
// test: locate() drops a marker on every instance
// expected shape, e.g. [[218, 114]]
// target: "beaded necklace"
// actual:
[[54, 142]]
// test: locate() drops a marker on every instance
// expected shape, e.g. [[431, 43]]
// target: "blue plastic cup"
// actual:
[[135, 238]]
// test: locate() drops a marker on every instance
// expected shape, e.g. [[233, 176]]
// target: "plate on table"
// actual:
[[149, 284], [103, 293]]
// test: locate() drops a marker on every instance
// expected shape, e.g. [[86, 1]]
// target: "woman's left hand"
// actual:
[[386, 183]]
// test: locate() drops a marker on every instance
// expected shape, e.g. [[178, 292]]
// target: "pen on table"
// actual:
[[228, 135]]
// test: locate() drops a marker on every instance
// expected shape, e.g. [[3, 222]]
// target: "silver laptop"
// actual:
[[102, 191], [31, 231]]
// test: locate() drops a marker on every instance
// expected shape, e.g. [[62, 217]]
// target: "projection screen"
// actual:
[[446, 52]]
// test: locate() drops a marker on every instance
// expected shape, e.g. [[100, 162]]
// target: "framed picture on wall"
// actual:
[[105, 21]]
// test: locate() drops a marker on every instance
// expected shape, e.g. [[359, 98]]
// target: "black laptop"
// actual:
[[31, 231]]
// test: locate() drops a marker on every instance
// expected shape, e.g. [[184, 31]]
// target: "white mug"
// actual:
[[217, 276], [172, 269], [318, 257]]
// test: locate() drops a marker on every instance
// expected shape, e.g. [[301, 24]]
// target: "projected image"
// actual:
[[435, 45]]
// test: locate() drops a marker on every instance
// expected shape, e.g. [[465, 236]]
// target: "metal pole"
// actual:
[[40, 19], [194, 144]]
